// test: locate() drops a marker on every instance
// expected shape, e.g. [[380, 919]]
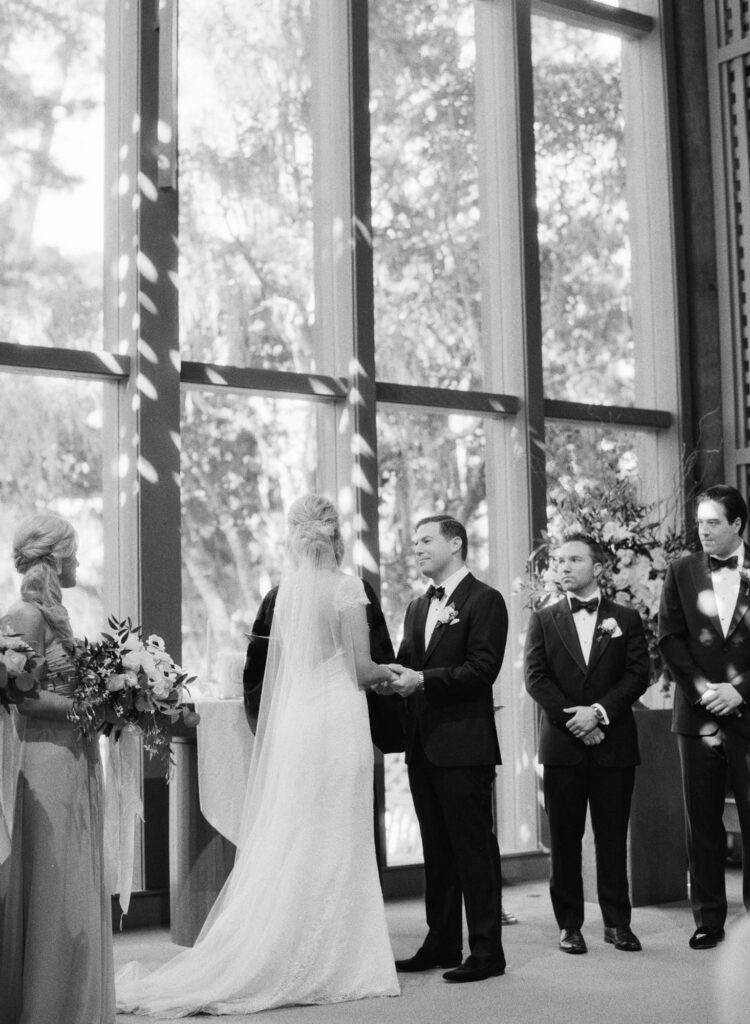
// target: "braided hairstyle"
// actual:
[[42, 542], [314, 531]]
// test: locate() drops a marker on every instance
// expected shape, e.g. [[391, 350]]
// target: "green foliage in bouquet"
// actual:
[[135, 680]]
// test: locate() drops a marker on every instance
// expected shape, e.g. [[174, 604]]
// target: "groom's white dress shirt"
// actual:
[[437, 604]]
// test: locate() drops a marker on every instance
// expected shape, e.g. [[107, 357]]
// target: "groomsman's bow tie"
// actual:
[[438, 592], [577, 605], [722, 563]]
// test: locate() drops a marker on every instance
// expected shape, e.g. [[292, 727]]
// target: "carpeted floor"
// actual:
[[666, 983]]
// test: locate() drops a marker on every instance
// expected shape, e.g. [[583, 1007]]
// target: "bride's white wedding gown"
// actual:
[[301, 917]]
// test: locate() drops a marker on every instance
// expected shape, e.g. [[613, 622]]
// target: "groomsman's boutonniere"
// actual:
[[447, 616], [608, 628]]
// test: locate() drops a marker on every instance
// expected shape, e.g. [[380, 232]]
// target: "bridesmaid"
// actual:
[[55, 913]]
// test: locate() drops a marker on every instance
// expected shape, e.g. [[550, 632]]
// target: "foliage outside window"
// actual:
[[51, 172], [584, 243]]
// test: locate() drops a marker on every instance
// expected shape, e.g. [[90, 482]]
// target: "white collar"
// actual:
[[450, 584]]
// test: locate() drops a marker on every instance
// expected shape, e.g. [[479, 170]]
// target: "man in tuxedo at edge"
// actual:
[[450, 656], [586, 663], [704, 635]]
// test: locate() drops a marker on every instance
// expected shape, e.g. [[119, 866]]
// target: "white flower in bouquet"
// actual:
[[138, 681]]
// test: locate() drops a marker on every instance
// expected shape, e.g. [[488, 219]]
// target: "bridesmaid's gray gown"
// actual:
[[55, 914]]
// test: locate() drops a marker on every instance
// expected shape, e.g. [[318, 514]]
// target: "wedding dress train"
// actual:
[[301, 917]]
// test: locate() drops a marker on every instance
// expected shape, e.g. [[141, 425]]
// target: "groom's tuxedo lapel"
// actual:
[[457, 598], [563, 618], [420, 618]]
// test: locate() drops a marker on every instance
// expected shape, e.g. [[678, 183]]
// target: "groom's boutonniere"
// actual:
[[608, 628], [447, 616], [744, 575]]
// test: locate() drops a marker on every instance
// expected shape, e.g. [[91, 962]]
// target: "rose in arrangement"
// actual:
[[134, 678]]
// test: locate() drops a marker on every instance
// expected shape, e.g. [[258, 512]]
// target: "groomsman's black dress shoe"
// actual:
[[423, 961], [622, 938], [706, 938], [571, 941], [473, 969]]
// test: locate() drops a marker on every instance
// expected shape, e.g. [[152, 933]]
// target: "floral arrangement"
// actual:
[[134, 677], [640, 540], [21, 668]]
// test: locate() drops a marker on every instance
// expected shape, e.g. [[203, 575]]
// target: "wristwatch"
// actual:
[[420, 680]]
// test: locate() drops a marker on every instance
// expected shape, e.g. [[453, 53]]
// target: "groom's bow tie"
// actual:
[[576, 605], [722, 563], [438, 592]]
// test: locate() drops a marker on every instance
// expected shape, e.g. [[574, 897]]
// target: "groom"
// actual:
[[450, 656]]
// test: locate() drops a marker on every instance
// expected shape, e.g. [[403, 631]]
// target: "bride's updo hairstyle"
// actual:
[[314, 531], [41, 544]]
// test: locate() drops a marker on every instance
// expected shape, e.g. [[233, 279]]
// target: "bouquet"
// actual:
[[21, 668], [136, 679]]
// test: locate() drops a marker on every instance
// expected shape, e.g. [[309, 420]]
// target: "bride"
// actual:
[[301, 917]]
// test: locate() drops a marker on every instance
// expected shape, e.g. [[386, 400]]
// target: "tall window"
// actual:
[[407, 253]]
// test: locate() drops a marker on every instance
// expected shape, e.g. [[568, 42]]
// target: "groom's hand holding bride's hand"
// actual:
[[385, 688], [406, 681]]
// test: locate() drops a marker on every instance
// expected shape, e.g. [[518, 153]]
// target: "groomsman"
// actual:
[[586, 663], [704, 635], [450, 656]]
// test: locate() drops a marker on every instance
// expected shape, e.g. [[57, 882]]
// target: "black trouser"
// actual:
[[607, 792], [707, 762], [461, 857]]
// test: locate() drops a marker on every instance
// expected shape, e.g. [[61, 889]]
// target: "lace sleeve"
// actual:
[[350, 592]]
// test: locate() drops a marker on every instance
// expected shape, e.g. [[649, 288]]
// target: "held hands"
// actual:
[[583, 723], [403, 681], [721, 699]]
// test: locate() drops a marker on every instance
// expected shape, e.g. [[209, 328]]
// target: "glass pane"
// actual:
[[51, 172], [428, 463], [246, 232], [584, 244], [425, 193], [51, 458], [244, 460], [597, 466]]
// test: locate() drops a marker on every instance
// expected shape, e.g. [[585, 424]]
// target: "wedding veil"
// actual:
[[309, 648]]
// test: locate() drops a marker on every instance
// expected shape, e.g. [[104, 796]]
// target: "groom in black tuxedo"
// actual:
[[704, 635], [586, 663], [450, 656]]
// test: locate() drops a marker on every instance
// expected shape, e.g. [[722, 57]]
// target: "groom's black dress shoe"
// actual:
[[422, 961], [622, 938], [571, 941], [706, 938], [476, 970]]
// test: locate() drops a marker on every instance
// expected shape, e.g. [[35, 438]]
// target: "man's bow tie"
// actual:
[[438, 592], [577, 605], [722, 563]]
